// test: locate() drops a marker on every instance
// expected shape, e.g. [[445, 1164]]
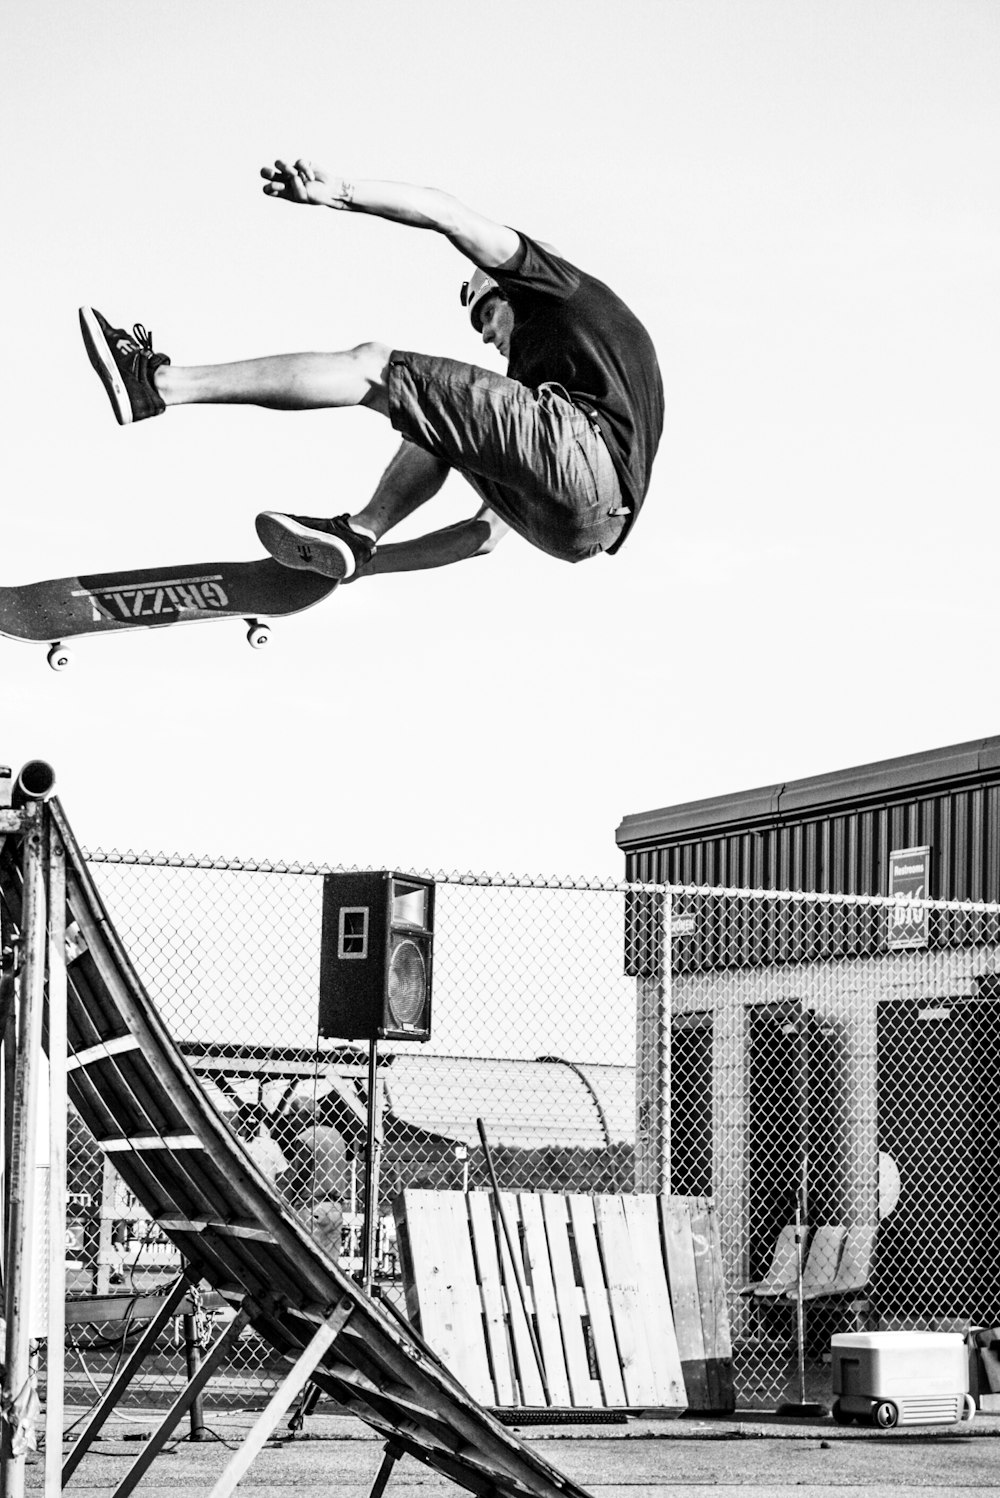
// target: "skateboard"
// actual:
[[155, 597]]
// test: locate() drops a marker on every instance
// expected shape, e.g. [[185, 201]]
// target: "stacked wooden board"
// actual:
[[625, 1294]]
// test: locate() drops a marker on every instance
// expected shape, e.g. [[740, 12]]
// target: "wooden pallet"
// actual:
[[625, 1293]]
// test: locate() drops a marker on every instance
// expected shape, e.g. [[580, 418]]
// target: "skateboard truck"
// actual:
[[258, 635]]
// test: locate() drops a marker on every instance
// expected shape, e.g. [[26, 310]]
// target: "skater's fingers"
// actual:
[[292, 186], [286, 174], [289, 182]]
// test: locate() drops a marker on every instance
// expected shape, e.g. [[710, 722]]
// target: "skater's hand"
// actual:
[[363, 569], [305, 183]]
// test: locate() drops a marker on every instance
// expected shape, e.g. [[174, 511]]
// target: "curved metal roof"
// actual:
[[614, 1089], [526, 1104]]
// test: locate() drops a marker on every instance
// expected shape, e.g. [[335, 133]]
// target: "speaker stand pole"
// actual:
[[373, 1148]]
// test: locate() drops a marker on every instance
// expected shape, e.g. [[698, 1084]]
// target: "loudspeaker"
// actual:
[[375, 959]]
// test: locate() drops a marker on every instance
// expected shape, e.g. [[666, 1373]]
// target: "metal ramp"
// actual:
[[145, 1107]]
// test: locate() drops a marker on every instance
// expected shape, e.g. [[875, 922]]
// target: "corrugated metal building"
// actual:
[[802, 1032], [833, 833]]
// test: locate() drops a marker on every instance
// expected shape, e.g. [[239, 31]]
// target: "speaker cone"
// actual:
[[407, 983]]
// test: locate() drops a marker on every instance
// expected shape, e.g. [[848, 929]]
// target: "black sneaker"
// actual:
[[125, 363], [313, 544]]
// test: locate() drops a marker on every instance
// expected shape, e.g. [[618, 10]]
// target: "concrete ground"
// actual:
[[755, 1454]]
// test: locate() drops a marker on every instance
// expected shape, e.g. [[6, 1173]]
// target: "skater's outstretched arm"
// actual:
[[455, 543], [486, 243]]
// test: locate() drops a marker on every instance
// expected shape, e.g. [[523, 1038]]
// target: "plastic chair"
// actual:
[[823, 1262], [780, 1276], [854, 1270]]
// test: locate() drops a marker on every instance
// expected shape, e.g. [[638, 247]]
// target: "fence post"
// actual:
[[654, 1004], [373, 1151]]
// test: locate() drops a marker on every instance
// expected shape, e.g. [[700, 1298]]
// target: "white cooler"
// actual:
[[901, 1378]]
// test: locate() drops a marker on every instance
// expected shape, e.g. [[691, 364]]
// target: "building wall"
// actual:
[[898, 1050], [901, 1043]]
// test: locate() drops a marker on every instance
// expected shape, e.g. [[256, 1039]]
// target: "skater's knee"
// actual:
[[372, 360], [373, 355], [490, 531]]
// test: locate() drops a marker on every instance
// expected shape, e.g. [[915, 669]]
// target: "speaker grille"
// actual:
[[407, 983]]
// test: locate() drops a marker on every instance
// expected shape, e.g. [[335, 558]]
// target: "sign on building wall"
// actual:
[[909, 883]]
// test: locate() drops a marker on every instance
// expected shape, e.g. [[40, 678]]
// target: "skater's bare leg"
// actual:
[[412, 478], [283, 382]]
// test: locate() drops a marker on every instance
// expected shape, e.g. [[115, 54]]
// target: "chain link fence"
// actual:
[[829, 1057]]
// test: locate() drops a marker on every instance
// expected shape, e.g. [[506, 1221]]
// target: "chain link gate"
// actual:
[[763, 1049]]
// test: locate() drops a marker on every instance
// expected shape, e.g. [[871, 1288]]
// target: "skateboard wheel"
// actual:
[[258, 635], [885, 1414], [59, 657]]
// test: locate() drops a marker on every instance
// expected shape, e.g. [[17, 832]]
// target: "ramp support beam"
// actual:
[[389, 1460], [191, 1391], [277, 1407], [119, 1384]]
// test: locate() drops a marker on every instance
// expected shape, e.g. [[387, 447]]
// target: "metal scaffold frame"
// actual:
[[33, 1000], [35, 966], [110, 1055]]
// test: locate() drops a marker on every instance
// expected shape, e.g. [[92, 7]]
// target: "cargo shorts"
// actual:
[[537, 460]]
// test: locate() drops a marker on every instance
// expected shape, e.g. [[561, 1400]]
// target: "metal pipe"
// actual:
[[58, 1111], [801, 1408], [800, 1308], [192, 1358], [664, 1054], [18, 1389], [8, 1037], [36, 781], [515, 1261], [372, 1150]]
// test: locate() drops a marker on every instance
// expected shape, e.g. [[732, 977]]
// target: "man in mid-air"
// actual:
[[559, 449]]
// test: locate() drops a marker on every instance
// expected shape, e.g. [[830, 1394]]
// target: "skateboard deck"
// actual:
[[155, 597]]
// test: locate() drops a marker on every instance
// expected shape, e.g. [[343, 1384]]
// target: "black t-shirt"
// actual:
[[572, 330]]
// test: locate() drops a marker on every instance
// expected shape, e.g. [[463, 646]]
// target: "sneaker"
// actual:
[[125, 363], [312, 544]]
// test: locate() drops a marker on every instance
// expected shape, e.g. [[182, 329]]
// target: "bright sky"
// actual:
[[800, 200]]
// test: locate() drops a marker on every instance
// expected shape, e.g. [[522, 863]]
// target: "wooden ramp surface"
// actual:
[[144, 1105], [625, 1293]]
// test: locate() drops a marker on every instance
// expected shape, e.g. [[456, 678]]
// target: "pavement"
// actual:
[[338, 1457]]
